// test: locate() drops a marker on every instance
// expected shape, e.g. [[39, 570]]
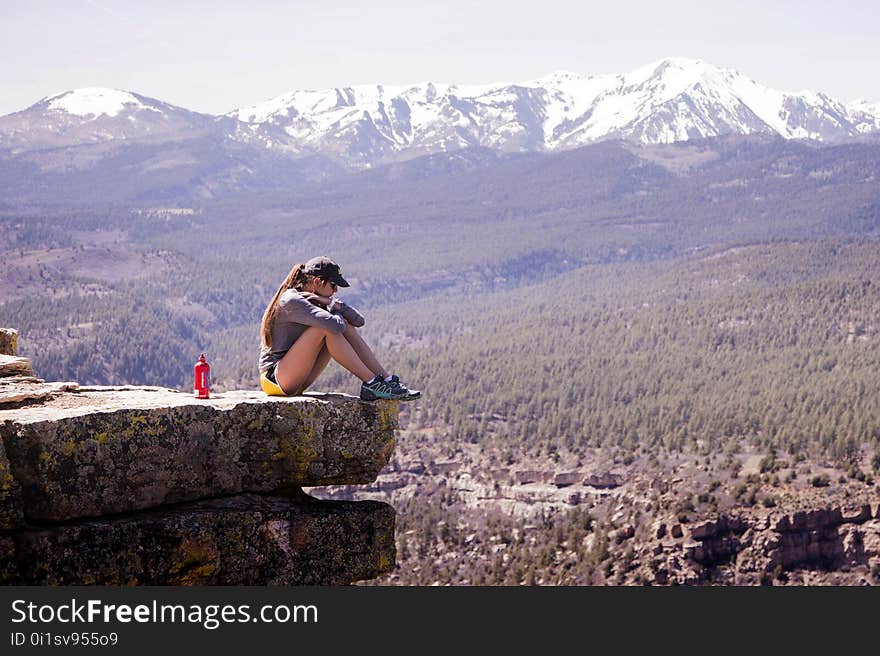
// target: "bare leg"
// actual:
[[364, 351], [300, 361], [296, 365], [321, 363], [345, 355]]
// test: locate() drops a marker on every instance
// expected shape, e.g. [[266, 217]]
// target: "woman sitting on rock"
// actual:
[[305, 325]]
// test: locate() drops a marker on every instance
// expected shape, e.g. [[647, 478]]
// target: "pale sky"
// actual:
[[214, 56]]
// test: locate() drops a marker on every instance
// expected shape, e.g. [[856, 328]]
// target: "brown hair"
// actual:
[[296, 279]]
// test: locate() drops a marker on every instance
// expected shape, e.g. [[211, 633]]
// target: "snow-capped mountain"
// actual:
[[96, 115], [866, 113], [99, 144], [671, 100]]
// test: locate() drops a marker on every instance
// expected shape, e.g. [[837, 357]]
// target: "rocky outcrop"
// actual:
[[11, 513], [604, 480], [818, 538], [240, 540], [770, 548], [107, 450], [528, 476], [564, 479], [12, 365], [141, 485], [8, 341], [18, 384], [18, 390]]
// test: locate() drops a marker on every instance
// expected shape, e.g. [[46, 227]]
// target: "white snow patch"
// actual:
[[862, 105], [95, 101], [866, 115]]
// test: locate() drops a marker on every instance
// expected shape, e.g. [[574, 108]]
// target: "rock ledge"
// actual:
[[146, 485]]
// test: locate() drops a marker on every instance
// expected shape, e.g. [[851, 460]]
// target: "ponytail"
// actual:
[[296, 279]]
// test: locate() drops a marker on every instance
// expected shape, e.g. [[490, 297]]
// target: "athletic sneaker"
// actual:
[[413, 394], [393, 389]]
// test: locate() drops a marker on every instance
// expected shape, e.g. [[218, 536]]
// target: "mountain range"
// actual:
[[671, 100], [313, 134]]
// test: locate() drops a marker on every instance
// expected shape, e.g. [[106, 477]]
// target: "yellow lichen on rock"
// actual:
[[198, 563]]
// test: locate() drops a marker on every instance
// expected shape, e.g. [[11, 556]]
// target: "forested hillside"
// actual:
[[772, 344]]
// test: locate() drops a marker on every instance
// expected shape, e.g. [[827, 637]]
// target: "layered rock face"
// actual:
[[240, 540], [109, 485], [749, 549]]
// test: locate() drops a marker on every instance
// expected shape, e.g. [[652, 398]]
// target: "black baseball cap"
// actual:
[[325, 268]]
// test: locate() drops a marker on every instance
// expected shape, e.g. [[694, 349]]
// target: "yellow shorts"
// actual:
[[270, 388]]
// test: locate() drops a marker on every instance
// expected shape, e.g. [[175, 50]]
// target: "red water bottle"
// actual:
[[202, 372]]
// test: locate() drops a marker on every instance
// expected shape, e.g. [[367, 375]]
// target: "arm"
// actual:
[[298, 309], [350, 313]]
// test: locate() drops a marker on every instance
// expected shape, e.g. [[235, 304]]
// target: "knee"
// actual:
[[316, 331], [316, 335]]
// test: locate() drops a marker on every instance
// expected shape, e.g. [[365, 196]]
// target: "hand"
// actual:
[[315, 299]]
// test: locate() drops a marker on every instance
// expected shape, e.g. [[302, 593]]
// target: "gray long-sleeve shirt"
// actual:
[[295, 315]]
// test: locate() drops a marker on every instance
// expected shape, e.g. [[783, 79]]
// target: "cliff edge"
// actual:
[[150, 486]]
